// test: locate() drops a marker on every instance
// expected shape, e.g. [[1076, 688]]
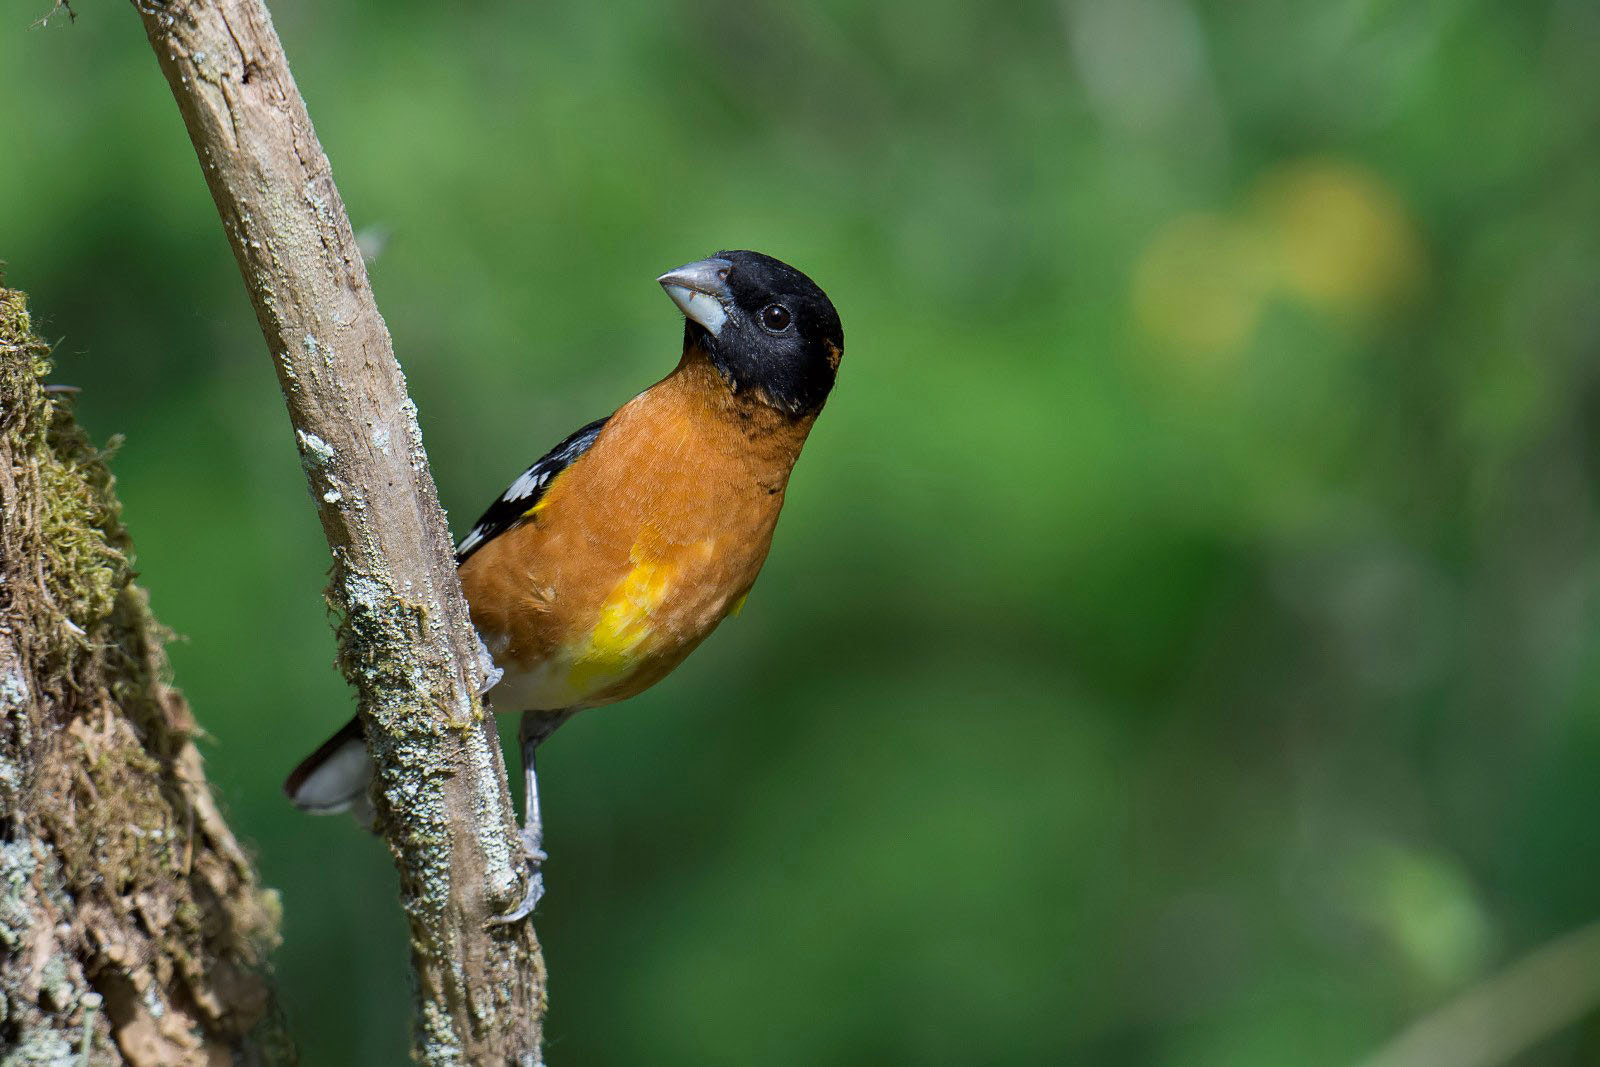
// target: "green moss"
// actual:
[[127, 819], [87, 561], [84, 550]]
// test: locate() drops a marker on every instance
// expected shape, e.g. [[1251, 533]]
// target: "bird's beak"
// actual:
[[701, 290]]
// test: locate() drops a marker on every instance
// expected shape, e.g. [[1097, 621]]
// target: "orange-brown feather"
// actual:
[[666, 520]]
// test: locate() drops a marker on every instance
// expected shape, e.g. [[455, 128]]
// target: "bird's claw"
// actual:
[[532, 846], [523, 908], [534, 890]]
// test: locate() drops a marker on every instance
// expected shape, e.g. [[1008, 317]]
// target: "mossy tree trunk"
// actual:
[[133, 927]]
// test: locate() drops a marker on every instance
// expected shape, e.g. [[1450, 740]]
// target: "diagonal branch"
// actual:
[[405, 643]]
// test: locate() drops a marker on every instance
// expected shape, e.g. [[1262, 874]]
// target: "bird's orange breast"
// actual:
[[637, 550]]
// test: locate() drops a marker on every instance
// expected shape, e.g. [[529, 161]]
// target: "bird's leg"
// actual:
[[534, 728], [529, 735]]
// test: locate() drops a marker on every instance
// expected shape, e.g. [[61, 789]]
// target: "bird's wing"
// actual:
[[516, 502]]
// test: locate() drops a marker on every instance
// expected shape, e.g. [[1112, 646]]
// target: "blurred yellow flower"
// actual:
[[1199, 285], [1327, 233], [1342, 239]]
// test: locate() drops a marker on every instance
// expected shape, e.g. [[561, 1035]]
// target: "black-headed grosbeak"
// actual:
[[606, 562]]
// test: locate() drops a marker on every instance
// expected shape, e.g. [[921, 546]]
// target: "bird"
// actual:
[[609, 560]]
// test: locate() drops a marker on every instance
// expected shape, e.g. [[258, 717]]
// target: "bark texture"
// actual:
[[132, 926], [405, 641]]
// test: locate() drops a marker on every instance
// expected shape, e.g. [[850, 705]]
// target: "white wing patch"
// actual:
[[470, 542], [532, 479], [512, 508]]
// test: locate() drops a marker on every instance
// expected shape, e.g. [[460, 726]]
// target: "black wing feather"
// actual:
[[512, 506]]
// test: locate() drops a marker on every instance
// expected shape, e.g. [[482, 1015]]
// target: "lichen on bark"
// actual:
[[133, 927], [406, 639]]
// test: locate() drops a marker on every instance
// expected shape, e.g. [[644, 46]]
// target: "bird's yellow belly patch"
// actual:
[[643, 627], [625, 634], [621, 636]]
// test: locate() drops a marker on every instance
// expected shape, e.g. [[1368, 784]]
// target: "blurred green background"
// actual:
[[1180, 646]]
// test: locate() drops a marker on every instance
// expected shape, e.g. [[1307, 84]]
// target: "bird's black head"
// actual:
[[766, 327]]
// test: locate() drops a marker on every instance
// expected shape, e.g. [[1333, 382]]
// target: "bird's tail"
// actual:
[[335, 777]]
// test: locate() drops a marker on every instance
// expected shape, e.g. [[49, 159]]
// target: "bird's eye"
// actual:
[[775, 317]]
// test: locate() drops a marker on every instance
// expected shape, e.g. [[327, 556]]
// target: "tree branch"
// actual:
[[405, 641]]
